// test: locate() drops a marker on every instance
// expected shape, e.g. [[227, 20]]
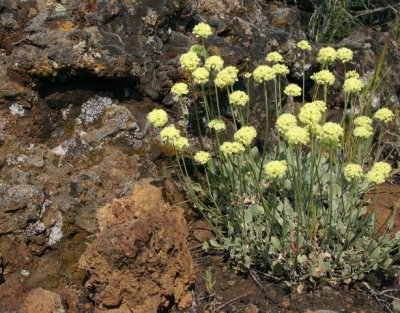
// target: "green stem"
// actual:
[[196, 113], [217, 100], [206, 103], [266, 116], [304, 76]]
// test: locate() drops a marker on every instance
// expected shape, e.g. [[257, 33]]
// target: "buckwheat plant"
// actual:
[[296, 208]]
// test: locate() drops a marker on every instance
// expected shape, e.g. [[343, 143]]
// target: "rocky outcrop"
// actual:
[[140, 260]]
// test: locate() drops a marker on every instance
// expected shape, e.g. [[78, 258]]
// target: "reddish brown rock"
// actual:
[[11, 293], [202, 231], [140, 260], [41, 301]]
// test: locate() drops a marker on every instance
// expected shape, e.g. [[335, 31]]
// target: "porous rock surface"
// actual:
[[42, 301], [140, 261]]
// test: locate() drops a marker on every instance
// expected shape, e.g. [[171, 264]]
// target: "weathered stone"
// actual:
[[140, 259], [19, 204], [42, 301], [11, 294]]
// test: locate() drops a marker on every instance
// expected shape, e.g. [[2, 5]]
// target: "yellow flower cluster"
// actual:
[[275, 169], [323, 77], [352, 171], [363, 132], [199, 50], [189, 61], [379, 172], [285, 122], [274, 57], [280, 69], [172, 135], [239, 98], [200, 75], [319, 104], [352, 74], [384, 115], [331, 133], [158, 118], [202, 157], [304, 45], [217, 125], [180, 143], [297, 135], [263, 73], [362, 121], [180, 89], [353, 85], [202, 30], [292, 90], [226, 77], [214, 62], [345, 55], [326, 55], [245, 135], [169, 134], [232, 148], [310, 115]]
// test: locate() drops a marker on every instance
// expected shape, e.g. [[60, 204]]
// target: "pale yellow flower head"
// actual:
[[200, 75], [280, 69], [363, 121], [310, 115], [304, 45], [285, 122], [180, 89], [319, 104], [232, 148], [292, 90], [345, 55], [202, 30], [199, 50], [352, 74], [214, 62], [353, 85], [217, 125], [297, 136], [274, 57], [331, 133], [169, 134], [326, 55], [202, 157], [245, 135], [323, 77], [379, 172], [263, 73], [384, 115], [189, 61], [226, 77], [180, 143], [352, 172], [363, 132], [158, 118], [314, 129], [275, 169], [238, 98]]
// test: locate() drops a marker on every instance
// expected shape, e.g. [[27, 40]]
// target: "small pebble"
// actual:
[[251, 308]]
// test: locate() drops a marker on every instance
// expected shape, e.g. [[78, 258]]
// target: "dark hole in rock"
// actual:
[[77, 90]]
